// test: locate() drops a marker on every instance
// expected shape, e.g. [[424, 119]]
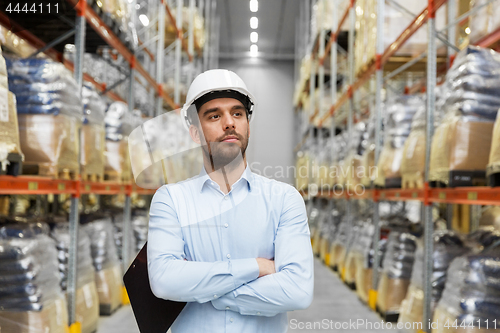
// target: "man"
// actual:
[[233, 244]]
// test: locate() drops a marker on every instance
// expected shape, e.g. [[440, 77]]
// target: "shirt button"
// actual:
[[258, 313], [226, 197], [228, 256], [226, 225], [215, 296], [231, 319], [227, 307]]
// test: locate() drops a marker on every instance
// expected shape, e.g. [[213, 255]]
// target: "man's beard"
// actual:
[[225, 154]]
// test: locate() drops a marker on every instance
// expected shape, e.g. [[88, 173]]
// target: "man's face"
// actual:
[[224, 130]]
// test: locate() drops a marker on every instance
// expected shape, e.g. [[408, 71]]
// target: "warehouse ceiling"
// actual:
[[277, 19]]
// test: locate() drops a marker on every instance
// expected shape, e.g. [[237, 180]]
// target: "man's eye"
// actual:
[[213, 117], [237, 114]]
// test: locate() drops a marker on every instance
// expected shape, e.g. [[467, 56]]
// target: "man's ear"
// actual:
[[194, 132]]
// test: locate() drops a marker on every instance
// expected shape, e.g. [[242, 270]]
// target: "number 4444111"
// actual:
[[34, 8]]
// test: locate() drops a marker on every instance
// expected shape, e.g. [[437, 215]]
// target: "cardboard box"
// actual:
[[109, 289], [391, 293], [494, 158], [9, 128], [117, 160], [351, 267], [412, 310], [92, 148], [413, 160], [49, 141], [52, 318], [87, 307]]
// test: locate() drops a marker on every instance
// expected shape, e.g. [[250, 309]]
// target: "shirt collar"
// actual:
[[204, 178]]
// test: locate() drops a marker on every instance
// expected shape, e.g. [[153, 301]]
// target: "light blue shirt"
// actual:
[[202, 246]]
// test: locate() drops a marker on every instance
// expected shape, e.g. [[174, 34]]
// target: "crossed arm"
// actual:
[[240, 285]]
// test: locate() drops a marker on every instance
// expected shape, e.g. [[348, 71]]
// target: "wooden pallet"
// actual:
[[91, 177], [50, 171], [116, 177], [412, 182]]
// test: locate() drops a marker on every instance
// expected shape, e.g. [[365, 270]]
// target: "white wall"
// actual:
[[272, 137]]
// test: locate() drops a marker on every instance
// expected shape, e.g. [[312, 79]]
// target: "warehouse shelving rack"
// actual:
[[427, 195], [84, 14]]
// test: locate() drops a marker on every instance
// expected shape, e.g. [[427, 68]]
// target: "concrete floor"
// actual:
[[334, 306]]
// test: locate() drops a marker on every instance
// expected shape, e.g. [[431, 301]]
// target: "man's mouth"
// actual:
[[230, 138]]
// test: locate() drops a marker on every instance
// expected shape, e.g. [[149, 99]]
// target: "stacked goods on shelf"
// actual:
[[340, 156], [312, 218], [164, 152], [396, 273], [10, 147], [15, 44], [299, 98], [87, 301], [321, 223], [119, 124], [187, 15], [461, 144], [447, 246], [328, 231], [140, 225], [413, 159], [397, 126], [49, 114], [490, 217], [31, 300], [353, 164], [118, 238], [363, 274], [117, 14], [395, 22], [92, 135], [368, 158], [485, 21], [471, 298], [322, 15], [106, 264], [364, 270], [352, 255]]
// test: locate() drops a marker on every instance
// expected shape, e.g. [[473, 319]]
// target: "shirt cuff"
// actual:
[[244, 270]]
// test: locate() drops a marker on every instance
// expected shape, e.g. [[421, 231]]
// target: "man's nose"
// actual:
[[228, 122]]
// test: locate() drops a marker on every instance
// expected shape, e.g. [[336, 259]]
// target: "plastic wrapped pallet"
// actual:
[[9, 127], [447, 246], [364, 273], [119, 124], [140, 224], [198, 26], [87, 301], [494, 158], [397, 127], [3, 72], [484, 21], [106, 264], [92, 135], [462, 142], [353, 164], [396, 272], [31, 300], [471, 295], [49, 114], [118, 238]]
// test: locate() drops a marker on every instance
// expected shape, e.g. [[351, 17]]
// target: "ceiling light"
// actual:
[[254, 37], [144, 20], [254, 50], [254, 6], [254, 22], [467, 31]]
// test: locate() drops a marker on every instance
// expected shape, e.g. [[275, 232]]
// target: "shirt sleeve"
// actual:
[[171, 277], [291, 287]]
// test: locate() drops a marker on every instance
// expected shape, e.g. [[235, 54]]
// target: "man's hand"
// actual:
[[266, 266]]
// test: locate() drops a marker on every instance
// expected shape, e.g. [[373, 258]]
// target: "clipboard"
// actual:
[[153, 314]]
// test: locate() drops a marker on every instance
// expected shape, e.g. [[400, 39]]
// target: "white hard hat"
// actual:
[[215, 80]]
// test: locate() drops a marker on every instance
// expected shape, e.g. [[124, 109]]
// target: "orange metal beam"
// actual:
[[36, 185]]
